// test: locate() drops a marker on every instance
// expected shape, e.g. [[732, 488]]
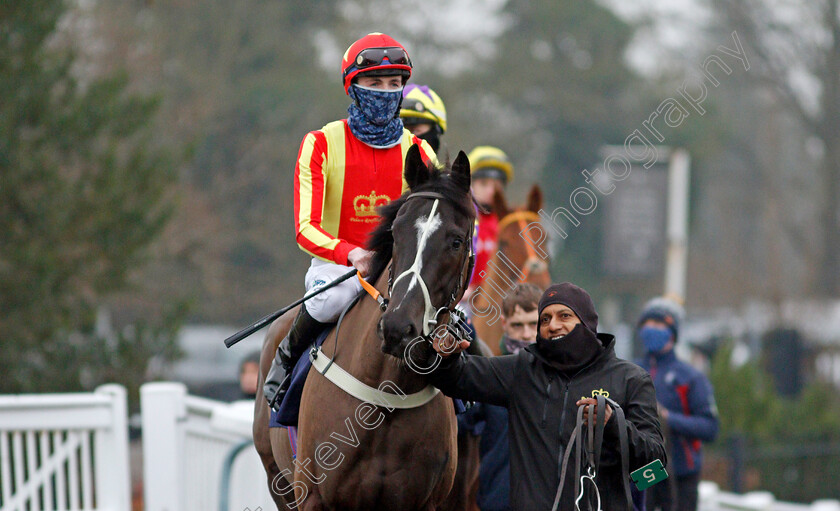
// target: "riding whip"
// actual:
[[245, 332]]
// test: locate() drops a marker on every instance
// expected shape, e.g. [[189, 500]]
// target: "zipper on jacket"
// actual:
[[544, 420], [560, 429]]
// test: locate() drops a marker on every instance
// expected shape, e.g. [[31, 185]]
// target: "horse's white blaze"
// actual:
[[425, 228]]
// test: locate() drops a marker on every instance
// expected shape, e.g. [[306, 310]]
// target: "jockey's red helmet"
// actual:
[[375, 54]]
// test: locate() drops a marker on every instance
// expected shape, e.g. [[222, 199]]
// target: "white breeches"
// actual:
[[327, 306]]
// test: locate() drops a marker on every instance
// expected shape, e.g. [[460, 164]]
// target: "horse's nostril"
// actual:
[[396, 329]]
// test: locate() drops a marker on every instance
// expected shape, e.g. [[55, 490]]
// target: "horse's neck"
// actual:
[[500, 275], [359, 347]]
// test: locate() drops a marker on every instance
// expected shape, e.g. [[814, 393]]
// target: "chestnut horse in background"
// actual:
[[357, 453], [522, 256]]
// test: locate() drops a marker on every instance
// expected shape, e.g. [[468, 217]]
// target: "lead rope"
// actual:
[[593, 452]]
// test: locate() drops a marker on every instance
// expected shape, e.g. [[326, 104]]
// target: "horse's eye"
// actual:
[[456, 243]]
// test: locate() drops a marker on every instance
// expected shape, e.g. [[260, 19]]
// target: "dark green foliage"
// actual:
[[793, 445], [83, 192], [242, 83]]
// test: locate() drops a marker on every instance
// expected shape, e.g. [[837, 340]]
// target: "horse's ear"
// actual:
[[500, 206], [535, 199], [416, 171], [461, 171]]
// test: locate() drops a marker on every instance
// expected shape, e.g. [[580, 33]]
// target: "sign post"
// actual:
[[645, 232]]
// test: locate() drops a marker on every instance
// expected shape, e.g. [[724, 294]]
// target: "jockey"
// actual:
[[424, 114], [490, 169], [343, 172]]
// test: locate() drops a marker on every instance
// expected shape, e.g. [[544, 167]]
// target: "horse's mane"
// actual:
[[381, 239]]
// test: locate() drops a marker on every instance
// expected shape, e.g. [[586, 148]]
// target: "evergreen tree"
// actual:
[[553, 96], [83, 191]]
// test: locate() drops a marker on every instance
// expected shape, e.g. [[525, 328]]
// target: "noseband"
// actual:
[[431, 313]]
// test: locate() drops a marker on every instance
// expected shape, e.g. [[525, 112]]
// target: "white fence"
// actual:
[[69, 452], [64, 451], [186, 440]]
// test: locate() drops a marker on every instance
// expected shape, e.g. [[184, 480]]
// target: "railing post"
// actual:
[[163, 407], [737, 454], [113, 486]]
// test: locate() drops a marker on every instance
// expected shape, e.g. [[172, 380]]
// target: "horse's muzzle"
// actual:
[[396, 331]]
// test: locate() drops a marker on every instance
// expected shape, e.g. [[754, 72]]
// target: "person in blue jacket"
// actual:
[[686, 405]]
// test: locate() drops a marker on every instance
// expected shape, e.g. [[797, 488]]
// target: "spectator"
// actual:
[[685, 402], [249, 373]]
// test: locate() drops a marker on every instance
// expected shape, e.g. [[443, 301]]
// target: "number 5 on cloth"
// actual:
[[649, 475]]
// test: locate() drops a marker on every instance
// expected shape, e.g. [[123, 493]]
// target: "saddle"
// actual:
[[586, 468]]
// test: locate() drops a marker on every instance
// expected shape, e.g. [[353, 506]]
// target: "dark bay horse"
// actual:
[[370, 453], [522, 257]]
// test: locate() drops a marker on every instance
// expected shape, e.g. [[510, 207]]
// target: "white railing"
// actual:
[[69, 452], [64, 451], [186, 440]]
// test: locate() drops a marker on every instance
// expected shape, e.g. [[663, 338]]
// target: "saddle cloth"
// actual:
[[289, 410]]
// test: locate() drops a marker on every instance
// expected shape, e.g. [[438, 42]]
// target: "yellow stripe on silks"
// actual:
[[305, 180], [305, 196], [334, 168]]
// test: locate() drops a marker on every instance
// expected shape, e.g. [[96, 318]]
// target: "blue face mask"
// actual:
[[654, 338], [373, 116], [378, 106]]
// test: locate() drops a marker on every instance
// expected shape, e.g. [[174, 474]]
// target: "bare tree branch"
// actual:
[[769, 69]]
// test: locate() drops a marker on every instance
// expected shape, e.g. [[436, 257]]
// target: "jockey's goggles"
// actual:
[[370, 57]]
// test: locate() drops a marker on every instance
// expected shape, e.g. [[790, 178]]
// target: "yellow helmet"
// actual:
[[489, 161], [422, 105]]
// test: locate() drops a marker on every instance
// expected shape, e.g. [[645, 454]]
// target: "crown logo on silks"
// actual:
[[365, 205]]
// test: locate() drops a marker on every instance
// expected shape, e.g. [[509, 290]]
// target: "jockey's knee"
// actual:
[[327, 306]]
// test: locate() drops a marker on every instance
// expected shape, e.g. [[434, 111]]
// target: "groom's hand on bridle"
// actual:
[[449, 344]]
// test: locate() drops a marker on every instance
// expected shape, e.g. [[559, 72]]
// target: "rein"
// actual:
[[521, 217]]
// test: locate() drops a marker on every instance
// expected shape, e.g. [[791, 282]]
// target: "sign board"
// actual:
[[634, 239]]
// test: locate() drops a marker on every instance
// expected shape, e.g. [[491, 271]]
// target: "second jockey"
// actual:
[[490, 170], [424, 114], [344, 171]]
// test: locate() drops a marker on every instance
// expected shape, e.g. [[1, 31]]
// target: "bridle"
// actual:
[[432, 313], [521, 217], [346, 381]]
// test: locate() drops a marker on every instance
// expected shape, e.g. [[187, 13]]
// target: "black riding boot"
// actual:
[[304, 330]]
